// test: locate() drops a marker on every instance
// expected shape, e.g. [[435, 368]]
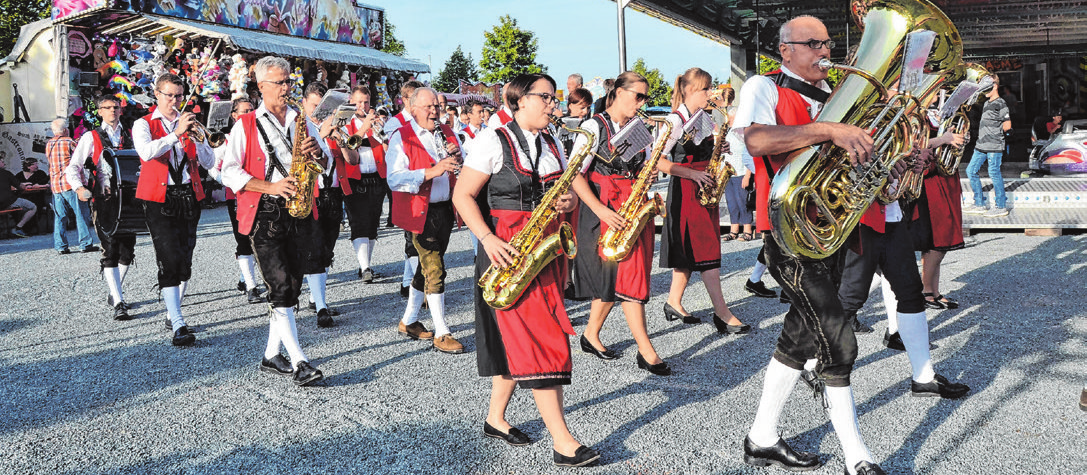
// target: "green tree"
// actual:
[[392, 45], [660, 93], [767, 64], [456, 68], [508, 51], [16, 13]]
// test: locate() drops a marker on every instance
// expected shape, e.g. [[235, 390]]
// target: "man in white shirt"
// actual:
[[411, 258], [504, 115], [475, 121], [366, 191], [423, 158]]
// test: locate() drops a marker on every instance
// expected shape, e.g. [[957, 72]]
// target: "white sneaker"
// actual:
[[996, 212], [974, 209]]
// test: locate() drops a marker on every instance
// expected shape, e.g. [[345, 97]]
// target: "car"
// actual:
[[1065, 153]]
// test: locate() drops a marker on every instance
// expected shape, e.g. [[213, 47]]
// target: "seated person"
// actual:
[[33, 185], [9, 200]]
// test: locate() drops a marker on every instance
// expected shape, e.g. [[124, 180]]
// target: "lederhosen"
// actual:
[[593, 276], [528, 341], [119, 248], [367, 191], [330, 202], [691, 236]]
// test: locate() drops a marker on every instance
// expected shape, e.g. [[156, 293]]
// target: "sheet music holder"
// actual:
[[631, 139], [219, 115], [918, 47], [699, 126], [332, 101], [963, 92]]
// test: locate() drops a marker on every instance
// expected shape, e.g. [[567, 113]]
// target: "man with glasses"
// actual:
[[257, 166], [365, 190], [775, 117], [421, 175], [83, 171], [169, 188]]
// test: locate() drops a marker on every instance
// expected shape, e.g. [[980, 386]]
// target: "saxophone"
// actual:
[[638, 209], [304, 169], [503, 286], [719, 168]]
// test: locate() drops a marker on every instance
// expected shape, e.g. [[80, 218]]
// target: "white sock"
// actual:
[[113, 279], [776, 387], [410, 264], [317, 289], [890, 302], [436, 302], [362, 252], [370, 251], [415, 302], [282, 323], [171, 296], [124, 271], [756, 274], [913, 328], [843, 416], [273, 341], [247, 266], [184, 286], [810, 364]]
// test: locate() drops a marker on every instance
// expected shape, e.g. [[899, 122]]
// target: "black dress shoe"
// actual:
[[671, 314], [659, 369], [404, 291], [780, 454], [859, 327], [254, 296], [939, 386], [64, 251], [367, 275], [590, 349], [759, 289], [183, 337], [241, 286], [91, 248], [583, 457], [324, 318], [725, 329], [867, 468], [514, 437], [893, 341], [276, 365], [120, 312], [305, 374]]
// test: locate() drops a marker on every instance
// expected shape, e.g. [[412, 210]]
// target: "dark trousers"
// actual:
[[242, 245], [119, 249], [329, 218], [891, 252], [173, 232], [286, 249], [431, 244], [364, 205], [816, 325]]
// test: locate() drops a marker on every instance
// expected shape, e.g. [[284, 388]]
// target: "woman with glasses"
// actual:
[[526, 344], [607, 188], [691, 234]]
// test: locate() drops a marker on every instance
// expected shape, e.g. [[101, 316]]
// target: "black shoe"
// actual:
[[404, 291], [324, 318], [254, 296], [183, 337], [91, 248], [276, 365], [306, 374], [725, 329], [590, 349], [515, 437], [583, 457], [659, 369], [120, 312], [366, 275], [759, 289], [780, 454], [939, 386], [241, 286], [64, 251], [859, 327], [671, 314], [893, 341], [867, 468]]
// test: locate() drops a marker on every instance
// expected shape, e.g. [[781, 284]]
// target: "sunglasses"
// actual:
[[279, 83], [813, 44], [638, 96]]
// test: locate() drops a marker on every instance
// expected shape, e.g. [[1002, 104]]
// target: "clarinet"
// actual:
[[442, 140]]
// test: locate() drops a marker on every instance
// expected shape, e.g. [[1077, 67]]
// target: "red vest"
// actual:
[[409, 209], [155, 173], [378, 151], [343, 170], [255, 163], [503, 117], [791, 109], [468, 130]]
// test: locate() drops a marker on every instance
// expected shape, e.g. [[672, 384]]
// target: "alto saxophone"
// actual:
[[638, 209], [503, 286], [719, 168], [304, 169]]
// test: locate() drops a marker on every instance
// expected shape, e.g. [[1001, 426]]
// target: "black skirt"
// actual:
[[490, 352], [591, 275]]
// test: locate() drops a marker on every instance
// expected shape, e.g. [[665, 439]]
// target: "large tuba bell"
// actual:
[[818, 197]]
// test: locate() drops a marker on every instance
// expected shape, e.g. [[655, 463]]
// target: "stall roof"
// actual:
[[27, 34]]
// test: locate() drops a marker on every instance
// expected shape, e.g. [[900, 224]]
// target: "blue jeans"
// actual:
[[974, 167], [65, 206]]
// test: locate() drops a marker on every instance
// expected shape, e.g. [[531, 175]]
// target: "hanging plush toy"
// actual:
[[297, 83], [239, 76], [383, 99], [345, 80]]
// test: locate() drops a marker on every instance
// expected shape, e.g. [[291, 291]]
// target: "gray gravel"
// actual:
[[81, 393]]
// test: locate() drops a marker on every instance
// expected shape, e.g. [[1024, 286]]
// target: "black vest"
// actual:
[[513, 187], [604, 149], [685, 151]]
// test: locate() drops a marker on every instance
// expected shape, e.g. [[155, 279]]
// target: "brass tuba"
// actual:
[[818, 197], [948, 156], [304, 169], [503, 286], [719, 168]]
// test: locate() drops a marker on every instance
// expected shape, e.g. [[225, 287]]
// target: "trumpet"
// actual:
[[200, 133], [346, 139]]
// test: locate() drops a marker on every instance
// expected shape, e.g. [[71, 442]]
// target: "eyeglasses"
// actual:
[[279, 83], [171, 96], [547, 98], [638, 96], [108, 108], [813, 44], [436, 107]]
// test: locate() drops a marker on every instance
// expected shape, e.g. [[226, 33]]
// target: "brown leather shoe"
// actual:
[[448, 344], [415, 331]]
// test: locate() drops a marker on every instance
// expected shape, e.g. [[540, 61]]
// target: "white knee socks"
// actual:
[[756, 275], [777, 386], [436, 302], [113, 279], [415, 302], [843, 416], [913, 328], [273, 342], [184, 285], [281, 325], [317, 289], [362, 252], [247, 265], [124, 271], [171, 296]]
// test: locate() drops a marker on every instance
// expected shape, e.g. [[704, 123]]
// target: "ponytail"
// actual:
[[677, 93]]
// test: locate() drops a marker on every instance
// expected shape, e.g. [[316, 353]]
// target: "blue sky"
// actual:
[[573, 35]]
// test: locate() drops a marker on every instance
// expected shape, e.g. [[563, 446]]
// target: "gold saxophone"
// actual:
[[821, 179], [503, 286], [719, 168], [638, 209], [304, 169]]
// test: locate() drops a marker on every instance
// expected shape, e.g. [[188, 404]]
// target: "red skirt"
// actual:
[[691, 236], [942, 200], [632, 274]]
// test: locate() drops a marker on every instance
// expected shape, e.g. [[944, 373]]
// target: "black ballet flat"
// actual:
[[659, 369], [514, 437], [671, 314], [604, 355], [725, 329]]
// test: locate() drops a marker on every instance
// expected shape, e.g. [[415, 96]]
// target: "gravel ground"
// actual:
[[81, 393]]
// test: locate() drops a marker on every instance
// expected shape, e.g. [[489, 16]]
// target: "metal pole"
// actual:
[[622, 22]]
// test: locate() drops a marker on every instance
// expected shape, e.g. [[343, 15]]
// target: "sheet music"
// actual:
[[700, 126], [332, 101], [918, 47], [219, 115], [631, 139], [571, 122], [963, 92]]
